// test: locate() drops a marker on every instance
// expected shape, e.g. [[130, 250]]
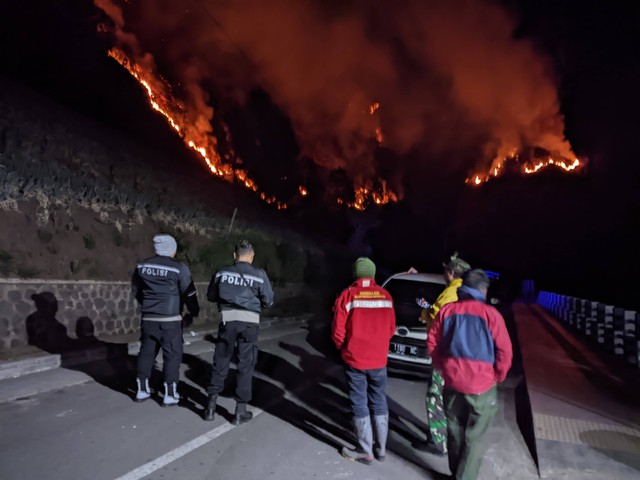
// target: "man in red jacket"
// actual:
[[363, 324], [470, 345]]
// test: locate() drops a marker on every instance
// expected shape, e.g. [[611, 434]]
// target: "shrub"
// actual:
[[118, 240], [215, 255], [44, 236], [294, 262], [25, 271], [6, 260], [89, 241]]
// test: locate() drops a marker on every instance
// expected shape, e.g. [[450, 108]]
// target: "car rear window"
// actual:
[[405, 292]]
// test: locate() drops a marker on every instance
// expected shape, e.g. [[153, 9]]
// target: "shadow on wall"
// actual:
[[107, 363]]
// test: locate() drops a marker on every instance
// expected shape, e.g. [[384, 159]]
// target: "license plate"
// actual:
[[402, 349]]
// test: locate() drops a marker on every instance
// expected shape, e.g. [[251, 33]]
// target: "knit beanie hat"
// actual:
[[364, 268], [165, 245]]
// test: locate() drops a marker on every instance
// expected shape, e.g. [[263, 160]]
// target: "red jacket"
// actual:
[[363, 323], [470, 346]]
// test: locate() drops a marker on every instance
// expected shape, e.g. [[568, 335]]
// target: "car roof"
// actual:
[[417, 277]]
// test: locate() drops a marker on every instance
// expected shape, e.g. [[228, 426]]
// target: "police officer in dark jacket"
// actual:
[[162, 285], [241, 291]]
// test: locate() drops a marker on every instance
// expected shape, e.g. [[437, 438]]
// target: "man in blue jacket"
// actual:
[[241, 291], [162, 285]]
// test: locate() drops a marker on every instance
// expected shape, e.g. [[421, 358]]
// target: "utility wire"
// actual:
[[222, 29]]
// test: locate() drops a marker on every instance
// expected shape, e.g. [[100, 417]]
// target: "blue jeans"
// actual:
[[367, 385]]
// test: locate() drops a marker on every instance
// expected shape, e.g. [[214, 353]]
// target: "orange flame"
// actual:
[[527, 168], [378, 131], [176, 115], [567, 167], [174, 112], [367, 195], [379, 137]]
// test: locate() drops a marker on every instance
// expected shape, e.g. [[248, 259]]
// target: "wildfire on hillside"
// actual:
[[205, 144], [177, 116], [368, 194], [528, 167]]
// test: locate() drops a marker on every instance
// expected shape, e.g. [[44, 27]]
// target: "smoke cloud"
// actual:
[[449, 77]]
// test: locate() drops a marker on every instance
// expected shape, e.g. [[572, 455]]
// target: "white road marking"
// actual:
[[181, 451]]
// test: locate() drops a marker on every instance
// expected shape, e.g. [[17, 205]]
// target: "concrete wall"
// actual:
[[85, 308], [613, 329]]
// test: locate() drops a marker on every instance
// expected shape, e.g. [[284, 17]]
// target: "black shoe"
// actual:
[[210, 411], [240, 418]]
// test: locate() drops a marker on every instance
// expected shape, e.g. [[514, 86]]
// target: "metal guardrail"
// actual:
[[614, 329]]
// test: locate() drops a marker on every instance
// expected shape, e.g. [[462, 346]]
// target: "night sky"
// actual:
[[575, 234]]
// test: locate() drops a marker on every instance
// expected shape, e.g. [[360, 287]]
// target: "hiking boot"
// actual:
[[144, 391], [241, 416], [210, 411], [171, 396]]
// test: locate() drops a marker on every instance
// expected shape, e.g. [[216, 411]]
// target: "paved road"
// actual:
[[94, 431]]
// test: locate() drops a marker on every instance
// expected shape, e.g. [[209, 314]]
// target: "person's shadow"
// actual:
[[306, 397], [107, 363], [198, 371], [405, 429], [282, 390]]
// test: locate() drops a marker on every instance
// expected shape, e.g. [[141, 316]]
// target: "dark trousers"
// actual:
[[468, 418], [244, 337], [157, 335], [367, 391]]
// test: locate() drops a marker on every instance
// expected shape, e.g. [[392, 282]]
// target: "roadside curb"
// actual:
[[18, 368], [103, 350]]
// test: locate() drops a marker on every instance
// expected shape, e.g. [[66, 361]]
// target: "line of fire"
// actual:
[[526, 161], [176, 115]]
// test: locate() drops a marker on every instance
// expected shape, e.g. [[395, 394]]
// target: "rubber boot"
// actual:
[[144, 391], [364, 437], [210, 411], [381, 428], [241, 416], [171, 396]]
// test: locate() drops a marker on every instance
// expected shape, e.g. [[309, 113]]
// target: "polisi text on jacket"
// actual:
[[235, 279], [155, 270]]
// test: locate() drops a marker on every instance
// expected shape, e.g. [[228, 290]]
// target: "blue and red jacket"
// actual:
[[363, 323], [469, 344]]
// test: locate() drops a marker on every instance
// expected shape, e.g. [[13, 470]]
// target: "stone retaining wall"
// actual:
[[85, 308]]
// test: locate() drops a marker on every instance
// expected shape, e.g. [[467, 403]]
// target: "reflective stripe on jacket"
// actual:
[[363, 323], [241, 287], [161, 285]]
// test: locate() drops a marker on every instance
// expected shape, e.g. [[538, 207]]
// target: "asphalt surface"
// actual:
[[93, 430]]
